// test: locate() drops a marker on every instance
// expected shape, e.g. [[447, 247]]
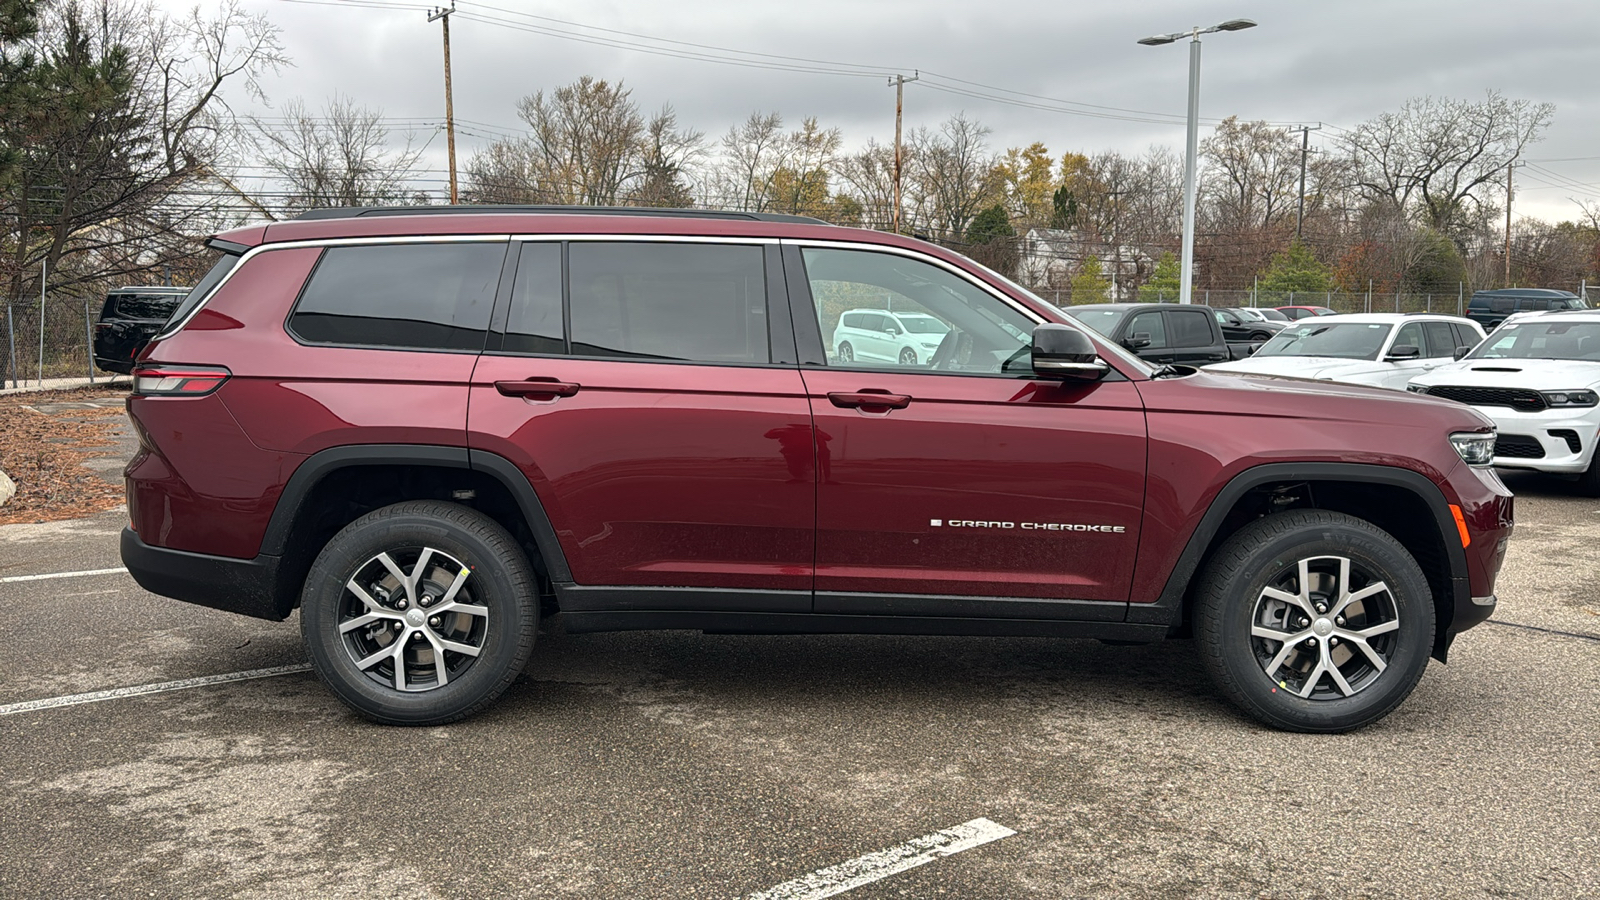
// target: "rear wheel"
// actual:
[[1315, 621], [846, 352], [419, 613]]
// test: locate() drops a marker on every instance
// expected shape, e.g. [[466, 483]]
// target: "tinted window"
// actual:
[[533, 324], [1149, 323], [700, 302], [147, 306], [1189, 328], [1502, 304], [1533, 303], [1465, 337], [219, 270], [1441, 339], [427, 296]]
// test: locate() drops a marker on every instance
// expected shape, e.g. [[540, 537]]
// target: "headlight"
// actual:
[[931, 345], [1416, 389], [1571, 398], [1474, 448]]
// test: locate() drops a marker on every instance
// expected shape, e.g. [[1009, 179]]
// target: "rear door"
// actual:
[[959, 484], [654, 404], [1194, 337]]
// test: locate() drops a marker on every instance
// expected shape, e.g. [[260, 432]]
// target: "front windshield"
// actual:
[[1253, 315], [1102, 320], [1341, 340], [1542, 340], [923, 325], [1131, 360]]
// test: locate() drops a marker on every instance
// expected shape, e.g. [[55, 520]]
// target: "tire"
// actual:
[[449, 554], [1261, 336], [847, 353], [908, 357], [1589, 481], [1235, 612]]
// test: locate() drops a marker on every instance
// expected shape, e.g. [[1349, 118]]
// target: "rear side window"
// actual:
[[1533, 303], [534, 323], [694, 302], [419, 296], [1189, 328], [1502, 304]]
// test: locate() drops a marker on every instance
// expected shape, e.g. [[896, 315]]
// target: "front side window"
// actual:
[[420, 296], [1410, 335], [944, 323], [1149, 324], [669, 301]]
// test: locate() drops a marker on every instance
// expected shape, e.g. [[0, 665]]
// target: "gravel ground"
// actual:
[[681, 765]]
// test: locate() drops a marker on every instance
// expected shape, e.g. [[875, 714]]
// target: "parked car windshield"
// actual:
[[1535, 339], [1102, 320], [1343, 340], [923, 324]]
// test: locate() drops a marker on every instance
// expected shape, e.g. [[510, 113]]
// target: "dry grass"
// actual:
[[43, 452]]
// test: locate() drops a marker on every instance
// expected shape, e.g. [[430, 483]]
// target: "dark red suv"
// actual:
[[429, 428]]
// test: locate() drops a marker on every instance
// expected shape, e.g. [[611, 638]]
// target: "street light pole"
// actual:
[[1186, 278]]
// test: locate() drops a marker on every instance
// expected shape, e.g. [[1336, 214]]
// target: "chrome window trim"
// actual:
[[173, 328]]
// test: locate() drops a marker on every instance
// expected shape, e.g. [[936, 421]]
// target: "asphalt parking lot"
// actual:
[[682, 765]]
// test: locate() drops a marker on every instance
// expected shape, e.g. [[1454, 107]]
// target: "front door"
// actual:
[[947, 485], [662, 424]]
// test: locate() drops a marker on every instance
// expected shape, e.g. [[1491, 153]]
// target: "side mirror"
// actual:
[[1137, 341], [1061, 351], [892, 331], [1461, 352], [1403, 351]]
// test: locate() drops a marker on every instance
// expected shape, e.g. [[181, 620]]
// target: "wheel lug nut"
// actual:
[[398, 626], [401, 603], [427, 600], [1321, 608], [1333, 642], [1339, 619], [416, 635], [433, 622], [1311, 641]]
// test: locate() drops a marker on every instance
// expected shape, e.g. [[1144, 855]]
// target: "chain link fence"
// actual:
[[1449, 302], [50, 340]]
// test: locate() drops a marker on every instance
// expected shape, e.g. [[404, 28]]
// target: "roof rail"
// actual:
[[351, 212]]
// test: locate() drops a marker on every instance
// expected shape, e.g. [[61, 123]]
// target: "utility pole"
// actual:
[[442, 15], [1305, 147], [1510, 167], [899, 82]]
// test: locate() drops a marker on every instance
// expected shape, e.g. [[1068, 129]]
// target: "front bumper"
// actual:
[[1559, 456], [249, 587]]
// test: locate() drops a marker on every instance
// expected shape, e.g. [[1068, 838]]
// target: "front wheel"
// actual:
[[908, 357], [419, 613], [1314, 621]]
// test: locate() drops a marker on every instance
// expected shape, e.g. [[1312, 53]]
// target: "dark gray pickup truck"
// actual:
[[1163, 332]]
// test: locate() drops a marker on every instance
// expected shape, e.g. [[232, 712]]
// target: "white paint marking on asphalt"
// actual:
[[119, 570], [848, 876], [140, 690]]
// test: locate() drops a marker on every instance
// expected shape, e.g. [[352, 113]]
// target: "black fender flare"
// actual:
[[319, 465], [1168, 608]]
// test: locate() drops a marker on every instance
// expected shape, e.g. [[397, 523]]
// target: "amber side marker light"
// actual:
[[1461, 525]]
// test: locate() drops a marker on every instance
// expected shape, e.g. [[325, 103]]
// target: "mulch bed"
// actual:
[[43, 452]]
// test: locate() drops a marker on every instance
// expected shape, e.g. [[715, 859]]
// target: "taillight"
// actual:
[[178, 381]]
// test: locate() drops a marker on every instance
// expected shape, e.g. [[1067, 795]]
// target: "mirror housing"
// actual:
[[1402, 352], [1061, 351], [1137, 341], [1461, 352]]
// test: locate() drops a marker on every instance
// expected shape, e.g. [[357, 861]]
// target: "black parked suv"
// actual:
[[130, 317], [1490, 308]]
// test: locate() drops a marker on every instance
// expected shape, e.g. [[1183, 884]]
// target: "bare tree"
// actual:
[[341, 158], [1252, 174], [867, 178], [956, 176], [1437, 158], [751, 152], [583, 142], [668, 156]]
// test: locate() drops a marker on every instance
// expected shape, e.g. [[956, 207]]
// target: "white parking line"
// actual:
[[847, 876], [140, 690], [11, 578]]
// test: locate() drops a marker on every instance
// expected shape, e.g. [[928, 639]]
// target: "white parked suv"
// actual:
[[1538, 378], [1376, 349], [878, 335]]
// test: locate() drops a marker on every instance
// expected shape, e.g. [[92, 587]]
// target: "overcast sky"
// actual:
[[1338, 62]]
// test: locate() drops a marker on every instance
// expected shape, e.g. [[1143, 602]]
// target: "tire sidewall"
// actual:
[[1228, 611], [493, 585]]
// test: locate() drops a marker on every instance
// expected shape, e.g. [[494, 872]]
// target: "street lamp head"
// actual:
[[1158, 39], [1236, 25]]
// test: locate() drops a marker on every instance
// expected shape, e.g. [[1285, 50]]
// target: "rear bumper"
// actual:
[[246, 586]]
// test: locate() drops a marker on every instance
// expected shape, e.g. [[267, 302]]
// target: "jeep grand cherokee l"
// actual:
[[429, 429]]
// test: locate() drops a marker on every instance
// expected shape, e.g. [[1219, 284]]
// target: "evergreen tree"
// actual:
[[1297, 269], [1089, 285], [1164, 284]]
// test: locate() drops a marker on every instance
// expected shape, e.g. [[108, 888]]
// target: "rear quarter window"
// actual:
[[415, 296], [144, 306]]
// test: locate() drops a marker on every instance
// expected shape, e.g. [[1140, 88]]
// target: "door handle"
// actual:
[[869, 400], [537, 387]]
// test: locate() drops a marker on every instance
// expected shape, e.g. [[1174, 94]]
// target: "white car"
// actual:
[[879, 336], [1538, 378], [1376, 349]]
